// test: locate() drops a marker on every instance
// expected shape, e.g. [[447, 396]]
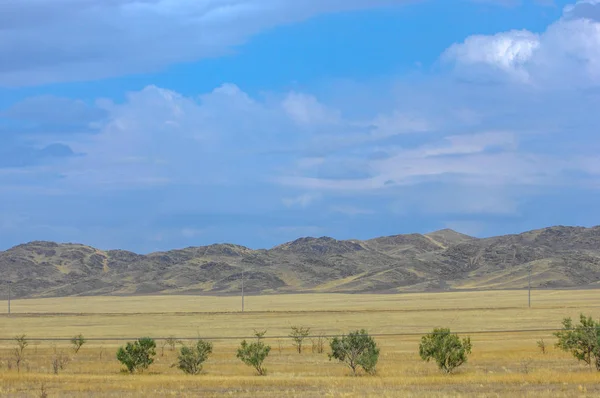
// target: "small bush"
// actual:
[[542, 346], [254, 354], [357, 349], [318, 344], [137, 356], [447, 350], [582, 341], [43, 392], [298, 335], [171, 342], [19, 351], [192, 358], [259, 334], [59, 361], [77, 342]]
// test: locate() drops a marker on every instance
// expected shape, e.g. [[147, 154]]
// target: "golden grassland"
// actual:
[[502, 363]]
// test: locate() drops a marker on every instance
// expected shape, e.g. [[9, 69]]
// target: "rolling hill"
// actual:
[[559, 257]]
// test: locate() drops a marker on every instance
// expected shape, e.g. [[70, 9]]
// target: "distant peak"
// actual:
[[37, 243], [447, 231]]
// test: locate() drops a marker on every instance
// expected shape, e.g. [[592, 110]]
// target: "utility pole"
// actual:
[[530, 286], [242, 289], [9, 298]]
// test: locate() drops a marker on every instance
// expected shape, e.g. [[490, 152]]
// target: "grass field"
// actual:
[[502, 363]]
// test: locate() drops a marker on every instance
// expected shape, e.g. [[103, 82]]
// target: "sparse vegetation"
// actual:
[[254, 354], [504, 364], [446, 349], [542, 346], [43, 392], [356, 350], [582, 341], [137, 356], [298, 335], [59, 361], [191, 358], [318, 344], [170, 342], [19, 351], [259, 334], [77, 342]]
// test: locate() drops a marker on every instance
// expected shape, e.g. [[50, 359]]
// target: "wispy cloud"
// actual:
[[302, 201], [47, 43]]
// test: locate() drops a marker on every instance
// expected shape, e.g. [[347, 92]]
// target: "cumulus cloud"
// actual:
[[567, 53], [306, 109], [158, 137], [163, 154], [508, 52]]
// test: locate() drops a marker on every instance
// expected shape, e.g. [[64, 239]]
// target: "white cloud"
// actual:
[[567, 53], [305, 109], [161, 137], [490, 158], [399, 123], [70, 40], [227, 140], [509, 52]]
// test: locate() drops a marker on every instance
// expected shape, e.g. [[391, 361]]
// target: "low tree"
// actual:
[[542, 345], [254, 354], [298, 335], [582, 341], [138, 355], [19, 351], [446, 349], [77, 342], [191, 358], [356, 350]]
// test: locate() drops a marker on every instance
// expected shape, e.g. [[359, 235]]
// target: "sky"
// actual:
[[150, 125]]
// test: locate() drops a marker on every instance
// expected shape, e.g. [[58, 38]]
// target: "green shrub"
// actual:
[[582, 341], [357, 349], [137, 356], [191, 358], [77, 342], [446, 349], [254, 354]]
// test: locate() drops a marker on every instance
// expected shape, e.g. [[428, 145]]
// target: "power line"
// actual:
[[404, 334]]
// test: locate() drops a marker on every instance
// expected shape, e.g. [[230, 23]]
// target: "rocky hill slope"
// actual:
[[559, 257]]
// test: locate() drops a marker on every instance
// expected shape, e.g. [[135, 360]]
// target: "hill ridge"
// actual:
[[560, 257]]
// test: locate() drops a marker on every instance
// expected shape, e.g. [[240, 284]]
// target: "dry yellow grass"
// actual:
[[502, 364]]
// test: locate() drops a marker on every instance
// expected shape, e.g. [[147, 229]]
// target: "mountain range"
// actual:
[[558, 257]]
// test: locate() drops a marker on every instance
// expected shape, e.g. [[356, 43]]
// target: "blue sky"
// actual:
[[157, 124]]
